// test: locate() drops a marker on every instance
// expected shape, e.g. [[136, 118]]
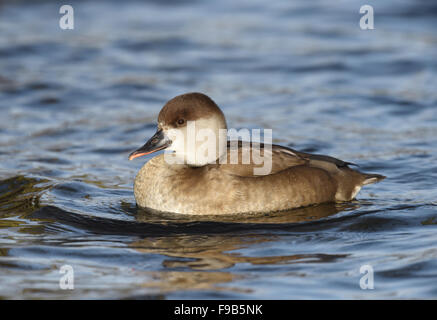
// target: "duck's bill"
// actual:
[[159, 141]]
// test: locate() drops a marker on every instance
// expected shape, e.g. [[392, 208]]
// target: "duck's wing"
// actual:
[[320, 157], [244, 157], [240, 160], [328, 163], [285, 161]]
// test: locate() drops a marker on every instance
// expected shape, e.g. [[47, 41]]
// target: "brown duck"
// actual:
[[203, 173]]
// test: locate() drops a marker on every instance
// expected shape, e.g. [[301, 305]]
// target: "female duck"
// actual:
[[205, 174]]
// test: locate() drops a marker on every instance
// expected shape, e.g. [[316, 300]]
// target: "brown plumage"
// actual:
[[296, 179]]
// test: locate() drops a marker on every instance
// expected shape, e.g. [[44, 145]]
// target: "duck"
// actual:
[[202, 172]]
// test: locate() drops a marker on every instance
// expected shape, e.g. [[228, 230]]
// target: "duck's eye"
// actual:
[[181, 122]]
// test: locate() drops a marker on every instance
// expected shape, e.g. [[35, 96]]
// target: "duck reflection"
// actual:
[[206, 257], [199, 261], [218, 251], [168, 281]]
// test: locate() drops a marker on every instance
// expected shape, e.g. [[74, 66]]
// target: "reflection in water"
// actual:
[[212, 253], [192, 280], [19, 194], [19, 197]]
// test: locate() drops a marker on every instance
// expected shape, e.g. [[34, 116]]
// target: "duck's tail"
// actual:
[[370, 178]]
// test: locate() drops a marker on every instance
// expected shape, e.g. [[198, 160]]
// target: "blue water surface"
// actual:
[[75, 103]]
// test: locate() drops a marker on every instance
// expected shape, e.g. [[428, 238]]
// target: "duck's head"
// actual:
[[193, 127]]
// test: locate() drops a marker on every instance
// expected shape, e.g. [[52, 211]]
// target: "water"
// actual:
[[75, 103]]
